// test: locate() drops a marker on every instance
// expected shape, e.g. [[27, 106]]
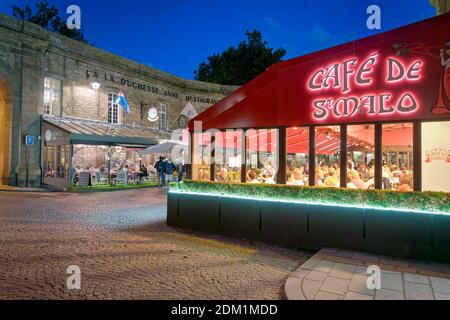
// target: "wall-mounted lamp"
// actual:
[[94, 74], [95, 85]]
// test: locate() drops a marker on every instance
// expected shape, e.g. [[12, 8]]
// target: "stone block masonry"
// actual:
[[29, 54]]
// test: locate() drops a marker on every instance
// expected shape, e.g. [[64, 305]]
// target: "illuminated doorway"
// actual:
[[5, 132]]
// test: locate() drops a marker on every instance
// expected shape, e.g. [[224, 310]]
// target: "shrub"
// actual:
[[423, 201]]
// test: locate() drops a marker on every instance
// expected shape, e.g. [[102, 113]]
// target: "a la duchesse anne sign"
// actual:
[[351, 74]]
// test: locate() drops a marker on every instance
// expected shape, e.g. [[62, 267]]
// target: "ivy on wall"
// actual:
[[420, 201]]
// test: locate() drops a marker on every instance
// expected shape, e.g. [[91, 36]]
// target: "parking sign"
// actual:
[[29, 141]]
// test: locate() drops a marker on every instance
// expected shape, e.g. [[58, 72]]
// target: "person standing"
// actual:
[[180, 171], [169, 170], [160, 171]]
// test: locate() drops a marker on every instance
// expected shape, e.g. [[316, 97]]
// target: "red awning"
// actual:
[[290, 93]]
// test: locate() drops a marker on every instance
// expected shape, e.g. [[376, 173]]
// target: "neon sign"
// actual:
[[340, 79]]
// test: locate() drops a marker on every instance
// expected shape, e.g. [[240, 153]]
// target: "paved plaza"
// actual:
[[334, 274], [124, 249]]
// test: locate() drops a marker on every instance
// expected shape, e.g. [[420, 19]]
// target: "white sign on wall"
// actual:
[[436, 156]]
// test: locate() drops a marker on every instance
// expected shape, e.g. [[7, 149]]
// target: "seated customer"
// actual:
[[406, 184], [354, 181], [251, 177], [223, 176], [297, 178], [331, 181]]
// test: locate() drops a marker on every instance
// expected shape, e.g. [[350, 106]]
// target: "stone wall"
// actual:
[[29, 53]]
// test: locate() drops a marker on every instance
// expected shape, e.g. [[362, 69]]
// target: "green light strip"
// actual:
[[311, 203]]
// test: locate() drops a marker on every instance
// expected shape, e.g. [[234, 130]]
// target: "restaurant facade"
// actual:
[[326, 151], [57, 95], [370, 114]]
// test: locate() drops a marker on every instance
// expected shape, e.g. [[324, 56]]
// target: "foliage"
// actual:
[[48, 18], [106, 188], [427, 201], [237, 66]]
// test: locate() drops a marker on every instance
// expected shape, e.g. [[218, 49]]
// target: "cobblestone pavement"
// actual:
[[125, 251]]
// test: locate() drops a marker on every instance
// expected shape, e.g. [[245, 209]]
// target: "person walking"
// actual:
[[160, 170]]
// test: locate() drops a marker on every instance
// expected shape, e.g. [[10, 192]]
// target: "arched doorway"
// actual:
[[5, 130]]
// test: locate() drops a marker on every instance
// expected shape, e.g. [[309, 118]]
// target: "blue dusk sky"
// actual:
[[176, 35]]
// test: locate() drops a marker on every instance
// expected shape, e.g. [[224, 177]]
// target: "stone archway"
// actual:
[[5, 130]]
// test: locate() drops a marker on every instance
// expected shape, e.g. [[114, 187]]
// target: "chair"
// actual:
[[99, 179], [122, 178], [151, 177]]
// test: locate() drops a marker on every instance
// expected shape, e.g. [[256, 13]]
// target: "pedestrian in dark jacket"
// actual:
[[169, 170], [180, 171], [160, 170]]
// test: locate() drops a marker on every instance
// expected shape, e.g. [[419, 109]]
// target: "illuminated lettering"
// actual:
[[352, 74], [372, 105]]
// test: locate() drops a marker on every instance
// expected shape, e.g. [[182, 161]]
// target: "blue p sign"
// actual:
[[29, 141]]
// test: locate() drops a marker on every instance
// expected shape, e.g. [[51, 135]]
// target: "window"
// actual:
[[297, 156], [361, 157], [56, 161], [113, 109], [228, 156], [262, 156], [162, 116], [328, 164], [201, 157], [436, 156], [52, 96], [398, 163]]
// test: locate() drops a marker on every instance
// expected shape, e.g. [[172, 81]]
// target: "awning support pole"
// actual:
[[244, 157], [343, 156], [378, 156], [282, 155], [417, 156]]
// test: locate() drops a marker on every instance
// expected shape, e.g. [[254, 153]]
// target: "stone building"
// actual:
[[442, 6], [60, 93]]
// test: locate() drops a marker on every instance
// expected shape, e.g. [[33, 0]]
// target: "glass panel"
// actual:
[[361, 157], [397, 157], [228, 156], [262, 156], [90, 159], [436, 156], [328, 145], [201, 166], [297, 156], [55, 162]]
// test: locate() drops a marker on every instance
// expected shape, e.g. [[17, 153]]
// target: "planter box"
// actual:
[[197, 212], [441, 238], [333, 226], [400, 234], [309, 226], [240, 218], [285, 224]]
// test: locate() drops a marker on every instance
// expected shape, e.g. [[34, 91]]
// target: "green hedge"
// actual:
[[424, 201]]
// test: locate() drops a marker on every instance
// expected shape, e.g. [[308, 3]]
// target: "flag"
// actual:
[[189, 111], [122, 101]]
